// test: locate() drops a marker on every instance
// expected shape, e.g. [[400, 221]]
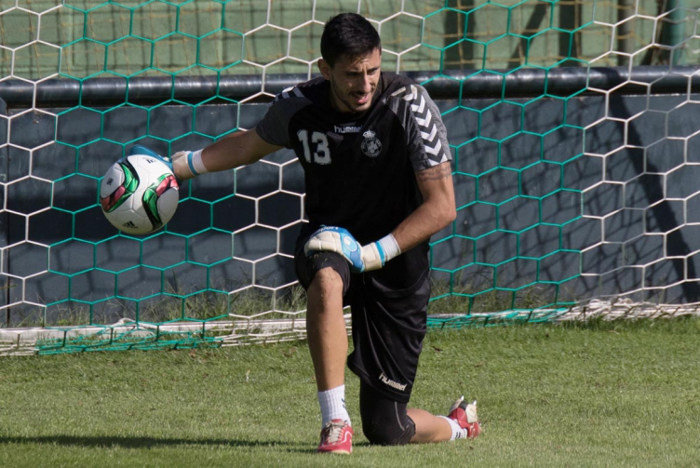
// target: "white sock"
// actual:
[[457, 431], [332, 404]]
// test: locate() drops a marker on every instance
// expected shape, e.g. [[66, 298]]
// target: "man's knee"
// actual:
[[326, 285], [326, 281], [384, 420], [307, 267], [388, 431]]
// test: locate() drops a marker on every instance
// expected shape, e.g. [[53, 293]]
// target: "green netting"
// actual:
[[562, 196]]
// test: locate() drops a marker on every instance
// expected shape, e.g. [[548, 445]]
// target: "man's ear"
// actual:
[[324, 68]]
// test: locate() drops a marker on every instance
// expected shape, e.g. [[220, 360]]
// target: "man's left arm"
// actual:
[[436, 211]]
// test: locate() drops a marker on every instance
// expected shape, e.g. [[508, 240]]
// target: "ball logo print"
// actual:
[[139, 194]]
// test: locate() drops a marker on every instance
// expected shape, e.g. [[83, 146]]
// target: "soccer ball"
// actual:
[[139, 194]]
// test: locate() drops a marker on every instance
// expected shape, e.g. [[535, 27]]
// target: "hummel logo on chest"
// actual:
[[346, 129]]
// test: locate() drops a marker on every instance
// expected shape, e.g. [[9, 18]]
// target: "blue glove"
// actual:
[[138, 149], [361, 258], [338, 240]]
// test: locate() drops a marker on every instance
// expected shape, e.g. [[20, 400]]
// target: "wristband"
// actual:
[[194, 162], [389, 246]]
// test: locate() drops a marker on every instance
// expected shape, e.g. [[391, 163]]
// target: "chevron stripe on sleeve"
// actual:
[[424, 127]]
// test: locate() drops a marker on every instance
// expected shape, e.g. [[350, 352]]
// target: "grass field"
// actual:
[[588, 395]]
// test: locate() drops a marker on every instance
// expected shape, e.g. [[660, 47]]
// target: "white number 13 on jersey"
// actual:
[[319, 142]]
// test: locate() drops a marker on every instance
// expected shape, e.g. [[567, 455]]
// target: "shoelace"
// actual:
[[332, 431]]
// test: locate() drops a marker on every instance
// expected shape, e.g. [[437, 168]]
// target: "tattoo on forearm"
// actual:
[[441, 171]]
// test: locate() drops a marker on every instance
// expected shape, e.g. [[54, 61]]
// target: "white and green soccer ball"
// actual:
[[139, 194]]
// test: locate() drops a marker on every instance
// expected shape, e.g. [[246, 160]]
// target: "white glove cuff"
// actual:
[[194, 162], [389, 246]]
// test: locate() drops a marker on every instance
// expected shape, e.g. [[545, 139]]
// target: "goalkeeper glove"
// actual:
[[361, 257]]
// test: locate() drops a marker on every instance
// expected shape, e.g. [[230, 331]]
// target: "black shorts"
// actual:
[[389, 311]]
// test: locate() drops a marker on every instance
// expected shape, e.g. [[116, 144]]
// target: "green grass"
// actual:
[[589, 395]]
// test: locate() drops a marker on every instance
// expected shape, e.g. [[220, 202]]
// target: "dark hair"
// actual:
[[348, 34]]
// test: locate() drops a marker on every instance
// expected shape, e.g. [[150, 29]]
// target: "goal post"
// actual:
[[574, 126]]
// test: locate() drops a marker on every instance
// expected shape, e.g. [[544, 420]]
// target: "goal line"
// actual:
[[127, 334]]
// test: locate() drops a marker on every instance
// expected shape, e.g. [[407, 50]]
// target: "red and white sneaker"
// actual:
[[336, 437], [465, 415]]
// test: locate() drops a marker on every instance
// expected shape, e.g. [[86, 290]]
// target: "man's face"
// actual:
[[353, 80]]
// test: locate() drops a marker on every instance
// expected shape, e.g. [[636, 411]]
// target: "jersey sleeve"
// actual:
[[425, 132], [274, 126]]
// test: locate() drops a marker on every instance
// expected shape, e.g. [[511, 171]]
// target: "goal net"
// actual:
[[574, 126]]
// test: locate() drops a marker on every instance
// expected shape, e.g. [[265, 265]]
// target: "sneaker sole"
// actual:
[[339, 452]]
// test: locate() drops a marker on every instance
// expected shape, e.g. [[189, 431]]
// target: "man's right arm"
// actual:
[[237, 149]]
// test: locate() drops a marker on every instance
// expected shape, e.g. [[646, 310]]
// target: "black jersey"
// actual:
[[359, 169]]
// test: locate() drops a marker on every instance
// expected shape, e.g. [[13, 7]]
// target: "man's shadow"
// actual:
[[137, 442]]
